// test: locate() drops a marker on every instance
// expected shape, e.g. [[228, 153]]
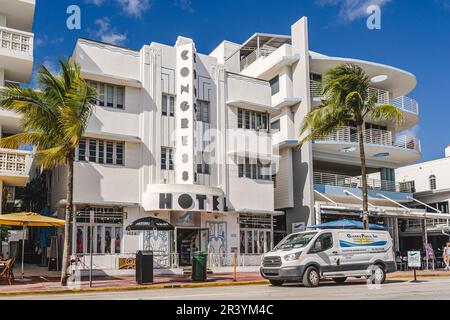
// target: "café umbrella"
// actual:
[[29, 219]]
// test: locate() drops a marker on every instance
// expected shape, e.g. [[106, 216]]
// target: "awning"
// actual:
[[347, 224], [150, 223]]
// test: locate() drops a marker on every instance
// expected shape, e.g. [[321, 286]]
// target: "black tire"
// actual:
[[378, 274], [340, 280], [311, 278], [276, 283]]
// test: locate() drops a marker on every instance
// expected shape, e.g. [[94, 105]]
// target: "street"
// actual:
[[426, 289]]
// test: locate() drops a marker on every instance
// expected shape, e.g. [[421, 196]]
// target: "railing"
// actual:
[[216, 260], [13, 162], [255, 55], [407, 104], [338, 180], [374, 136], [403, 103], [16, 40], [416, 224]]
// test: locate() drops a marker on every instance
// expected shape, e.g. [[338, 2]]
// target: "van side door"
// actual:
[[324, 252]]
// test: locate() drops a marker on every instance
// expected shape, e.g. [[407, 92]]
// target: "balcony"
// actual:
[[16, 54], [383, 97], [380, 145], [15, 166], [376, 137], [336, 185]]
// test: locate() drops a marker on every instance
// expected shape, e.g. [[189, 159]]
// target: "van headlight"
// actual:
[[293, 256]]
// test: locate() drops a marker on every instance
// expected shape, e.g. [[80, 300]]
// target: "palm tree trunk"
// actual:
[[362, 155], [69, 212]]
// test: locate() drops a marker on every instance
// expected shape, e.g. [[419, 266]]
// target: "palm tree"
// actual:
[[347, 100], [54, 120]]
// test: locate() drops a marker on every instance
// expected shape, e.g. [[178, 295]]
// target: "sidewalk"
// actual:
[[51, 284]]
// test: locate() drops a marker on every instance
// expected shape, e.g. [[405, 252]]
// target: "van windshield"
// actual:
[[295, 241]]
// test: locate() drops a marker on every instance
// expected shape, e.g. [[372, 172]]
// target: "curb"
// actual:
[[422, 275], [134, 287]]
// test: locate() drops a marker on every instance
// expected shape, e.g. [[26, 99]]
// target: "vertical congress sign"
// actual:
[[185, 113]]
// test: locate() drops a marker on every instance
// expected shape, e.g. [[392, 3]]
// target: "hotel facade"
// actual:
[[208, 143]]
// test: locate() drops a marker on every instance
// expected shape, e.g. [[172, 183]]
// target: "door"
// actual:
[[325, 253]]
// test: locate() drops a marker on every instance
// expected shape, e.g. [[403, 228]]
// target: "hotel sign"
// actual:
[[196, 202], [185, 114]]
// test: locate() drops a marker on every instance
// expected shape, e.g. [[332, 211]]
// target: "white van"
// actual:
[[330, 253]]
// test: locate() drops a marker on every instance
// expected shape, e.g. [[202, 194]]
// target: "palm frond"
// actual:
[[386, 112]]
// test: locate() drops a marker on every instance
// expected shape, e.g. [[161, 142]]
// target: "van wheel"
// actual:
[[276, 283], [378, 274], [340, 280], [311, 278]]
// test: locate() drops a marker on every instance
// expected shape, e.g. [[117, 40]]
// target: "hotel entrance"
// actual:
[[190, 240]]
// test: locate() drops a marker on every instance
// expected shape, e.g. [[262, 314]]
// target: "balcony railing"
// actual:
[[15, 40], [14, 162], [255, 55], [338, 180], [374, 136], [403, 103]]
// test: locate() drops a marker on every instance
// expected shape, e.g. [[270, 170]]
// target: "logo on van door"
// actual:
[[361, 240]]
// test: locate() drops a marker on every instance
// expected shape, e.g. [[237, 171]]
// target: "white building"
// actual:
[[321, 182], [16, 62], [175, 136], [430, 182]]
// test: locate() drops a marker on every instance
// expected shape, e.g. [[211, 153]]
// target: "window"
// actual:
[[375, 126], [107, 230], [82, 150], [252, 120], [407, 186], [254, 170], [166, 158], [203, 163], [274, 180], [275, 126], [109, 95], [432, 182], [202, 112], [93, 150], [275, 85], [315, 77], [323, 243], [168, 105]]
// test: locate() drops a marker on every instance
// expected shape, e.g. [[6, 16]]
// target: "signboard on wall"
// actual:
[[185, 111]]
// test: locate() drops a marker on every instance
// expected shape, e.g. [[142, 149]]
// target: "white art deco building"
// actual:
[[207, 143], [16, 63]]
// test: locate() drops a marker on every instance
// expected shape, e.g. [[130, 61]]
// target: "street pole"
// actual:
[[91, 220], [235, 266]]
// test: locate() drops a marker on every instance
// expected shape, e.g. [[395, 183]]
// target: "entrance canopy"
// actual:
[[150, 223]]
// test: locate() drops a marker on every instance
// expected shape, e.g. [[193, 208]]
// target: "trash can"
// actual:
[[199, 266], [144, 267]]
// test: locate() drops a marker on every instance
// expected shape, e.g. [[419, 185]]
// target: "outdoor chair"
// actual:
[[7, 271]]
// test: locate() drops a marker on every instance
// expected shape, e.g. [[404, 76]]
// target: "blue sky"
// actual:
[[414, 36]]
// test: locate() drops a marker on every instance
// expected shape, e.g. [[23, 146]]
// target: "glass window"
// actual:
[[92, 150], [432, 182], [120, 97], [163, 159], [240, 120], [296, 240], [82, 150], [109, 152], [164, 105], [101, 152], [109, 96], [119, 153], [172, 107], [101, 91], [170, 159], [275, 126], [323, 242], [275, 85], [247, 119]]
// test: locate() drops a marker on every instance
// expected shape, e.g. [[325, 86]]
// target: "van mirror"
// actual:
[[317, 247]]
